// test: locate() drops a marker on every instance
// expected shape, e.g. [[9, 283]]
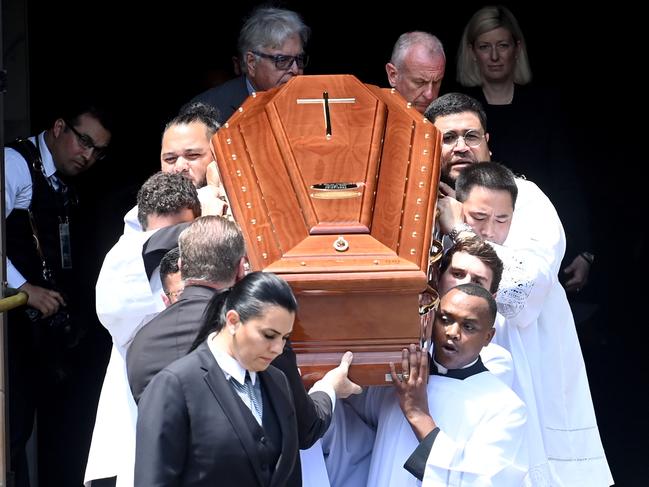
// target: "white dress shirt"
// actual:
[[18, 190]]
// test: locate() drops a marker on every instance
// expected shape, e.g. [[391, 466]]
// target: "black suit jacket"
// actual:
[[226, 97], [192, 431], [166, 338]]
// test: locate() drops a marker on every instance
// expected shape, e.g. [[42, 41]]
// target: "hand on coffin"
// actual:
[[411, 386], [450, 214], [338, 379], [215, 201]]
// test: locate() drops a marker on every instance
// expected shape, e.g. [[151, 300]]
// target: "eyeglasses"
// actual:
[[86, 142], [284, 62], [472, 138], [173, 294]]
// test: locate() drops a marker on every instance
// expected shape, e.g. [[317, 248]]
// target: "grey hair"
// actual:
[[211, 249], [409, 39], [269, 28]]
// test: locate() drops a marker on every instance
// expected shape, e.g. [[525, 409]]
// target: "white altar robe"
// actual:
[[312, 462], [482, 435], [126, 301], [348, 443], [539, 331]]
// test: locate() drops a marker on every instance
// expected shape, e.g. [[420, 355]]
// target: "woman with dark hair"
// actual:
[[222, 415]]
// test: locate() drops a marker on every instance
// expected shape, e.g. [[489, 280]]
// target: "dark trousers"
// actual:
[[59, 386]]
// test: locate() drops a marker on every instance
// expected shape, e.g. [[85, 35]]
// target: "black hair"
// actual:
[[196, 111], [169, 264], [473, 289], [93, 106], [166, 194], [489, 175], [479, 249], [454, 103], [249, 298]]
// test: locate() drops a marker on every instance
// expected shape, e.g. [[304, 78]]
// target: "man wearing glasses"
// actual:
[[40, 255], [539, 329], [271, 51]]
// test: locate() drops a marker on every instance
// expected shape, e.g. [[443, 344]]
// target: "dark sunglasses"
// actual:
[[284, 62]]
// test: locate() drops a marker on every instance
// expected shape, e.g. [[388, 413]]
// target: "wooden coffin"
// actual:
[[334, 185]]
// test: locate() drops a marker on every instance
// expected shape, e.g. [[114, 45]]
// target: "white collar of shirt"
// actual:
[[229, 365], [443, 370], [46, 156], [249, 87]]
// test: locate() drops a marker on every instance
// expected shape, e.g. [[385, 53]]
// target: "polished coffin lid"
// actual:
[[334, 184]]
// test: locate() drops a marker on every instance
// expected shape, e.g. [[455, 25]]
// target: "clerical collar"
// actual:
[[473, 368]]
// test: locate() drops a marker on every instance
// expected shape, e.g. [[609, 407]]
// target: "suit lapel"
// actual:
[[242, 94], [222, 391], [276, 388]]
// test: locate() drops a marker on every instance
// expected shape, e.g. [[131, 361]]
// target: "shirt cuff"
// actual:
[[327, 389], [416, 463], [14, 278]]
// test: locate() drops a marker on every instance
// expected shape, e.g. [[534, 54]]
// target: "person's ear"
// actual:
[[393, 74], [490, 335], [232, 321], [58, 127], [486, 137], [251, 63], [242, 268]]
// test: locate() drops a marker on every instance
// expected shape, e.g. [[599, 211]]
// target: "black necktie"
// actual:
[[253, 393]]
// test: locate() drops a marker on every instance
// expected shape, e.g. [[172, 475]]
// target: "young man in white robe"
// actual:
[[126, 300], [348, 442], [539, 330], [452, 421]]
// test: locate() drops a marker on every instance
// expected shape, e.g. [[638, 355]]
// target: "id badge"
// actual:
[[66, 249]]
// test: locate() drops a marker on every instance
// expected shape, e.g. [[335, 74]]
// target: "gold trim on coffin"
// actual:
[[335, 195]]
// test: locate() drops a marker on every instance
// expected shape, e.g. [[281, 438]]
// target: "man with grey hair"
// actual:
[[271, 51], [416, 68], [212, 257]]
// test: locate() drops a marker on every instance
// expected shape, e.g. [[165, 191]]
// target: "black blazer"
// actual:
[[191, 429], [166, 338], [226, 97]]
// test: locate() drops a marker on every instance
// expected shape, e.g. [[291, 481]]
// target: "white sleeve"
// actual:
[[125, 300], [536, 227], [347, 447], [131, 223], [495, 455], [499, 362], [531, 256], [524, 287], [367, 405], [18, 194]]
